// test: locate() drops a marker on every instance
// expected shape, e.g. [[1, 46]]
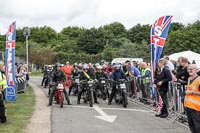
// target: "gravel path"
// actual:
[[41, 119]]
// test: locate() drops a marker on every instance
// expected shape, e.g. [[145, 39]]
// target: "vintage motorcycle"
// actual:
[[121, 93]]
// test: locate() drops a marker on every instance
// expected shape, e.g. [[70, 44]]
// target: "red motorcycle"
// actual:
[[60, 94]]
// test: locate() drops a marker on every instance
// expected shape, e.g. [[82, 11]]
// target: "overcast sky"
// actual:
[[94, 13]]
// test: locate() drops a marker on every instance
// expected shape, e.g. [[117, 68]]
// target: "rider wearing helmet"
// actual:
[[44, 74], [74, 74], [48, 75], [116, 75], [58, 76], [86, 75], [100, 73]]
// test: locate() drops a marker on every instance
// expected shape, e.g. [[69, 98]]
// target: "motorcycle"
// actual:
[[121, 93], [103, 88], [75, 86], [88, 93], [60, 94]]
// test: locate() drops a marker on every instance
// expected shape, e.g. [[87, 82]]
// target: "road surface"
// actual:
[[103, 118]]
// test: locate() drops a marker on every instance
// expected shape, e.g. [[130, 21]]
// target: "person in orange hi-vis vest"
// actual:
[[192, 99], [67, 69]]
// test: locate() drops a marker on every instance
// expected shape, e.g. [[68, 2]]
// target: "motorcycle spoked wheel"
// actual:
[[124, 100], [61, 99], [104, 94], [117, 98], [91, 98]]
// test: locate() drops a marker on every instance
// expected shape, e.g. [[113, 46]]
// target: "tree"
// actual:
[[186, 38], [116, 29], [133, 50], [91, 41], [139, 34], [40, 55]]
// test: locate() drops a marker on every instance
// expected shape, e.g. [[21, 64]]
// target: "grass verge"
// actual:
[[34, 73], [19, 113]]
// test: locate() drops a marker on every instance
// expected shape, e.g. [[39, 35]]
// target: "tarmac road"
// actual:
[[103, 118]]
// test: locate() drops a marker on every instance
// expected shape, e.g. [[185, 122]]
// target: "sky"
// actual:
[[94, 13]]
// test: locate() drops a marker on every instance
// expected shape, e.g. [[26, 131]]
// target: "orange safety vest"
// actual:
[[67, 69], [192, 97]]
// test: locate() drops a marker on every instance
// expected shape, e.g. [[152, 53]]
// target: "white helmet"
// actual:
[[99, 67]]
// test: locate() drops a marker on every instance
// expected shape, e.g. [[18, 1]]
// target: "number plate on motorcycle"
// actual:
[[76, 80], [60, 86], [90, 85], [103, 81], [122, 85]]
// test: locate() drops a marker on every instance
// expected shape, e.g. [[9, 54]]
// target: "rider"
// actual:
[[48, 75], [86, 75], [116, 75], [58, 76], [99, 75], [74, 74], [44, 74]]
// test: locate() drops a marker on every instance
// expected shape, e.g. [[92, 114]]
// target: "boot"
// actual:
[[78, 101]]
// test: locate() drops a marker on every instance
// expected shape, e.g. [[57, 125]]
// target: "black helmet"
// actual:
[[58, 65]]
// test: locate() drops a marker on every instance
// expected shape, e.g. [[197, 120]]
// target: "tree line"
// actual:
[[79, 44]]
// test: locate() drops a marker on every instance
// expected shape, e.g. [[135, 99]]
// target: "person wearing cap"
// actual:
[[116, 75], [86, 75], [67, 63], [58, 76]]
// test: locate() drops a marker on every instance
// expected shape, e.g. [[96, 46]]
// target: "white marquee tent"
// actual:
[[189, 54]]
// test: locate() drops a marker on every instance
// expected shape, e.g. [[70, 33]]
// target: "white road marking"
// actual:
[[104, 116], [119, 109], [122, 109]]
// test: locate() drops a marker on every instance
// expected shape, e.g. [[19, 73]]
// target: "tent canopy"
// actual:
[[189, 54]]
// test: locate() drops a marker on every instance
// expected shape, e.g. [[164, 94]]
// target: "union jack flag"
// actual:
[[159, 31], [10, 63], [160, 105]]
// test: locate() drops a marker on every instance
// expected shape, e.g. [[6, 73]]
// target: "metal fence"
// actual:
[[141, 93]]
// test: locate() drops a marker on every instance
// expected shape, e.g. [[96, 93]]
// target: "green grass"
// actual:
[[19, 113], [33, 73]]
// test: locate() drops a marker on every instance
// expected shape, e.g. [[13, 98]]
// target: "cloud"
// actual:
[[94, 13]]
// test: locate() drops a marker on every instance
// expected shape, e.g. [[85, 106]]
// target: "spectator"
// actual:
[[182, 73], [145, 75], [37, 69], [162, 85], [192, 99], [3, 85], [169, 64]]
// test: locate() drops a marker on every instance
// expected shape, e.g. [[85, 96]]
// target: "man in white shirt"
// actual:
[[169, 64]]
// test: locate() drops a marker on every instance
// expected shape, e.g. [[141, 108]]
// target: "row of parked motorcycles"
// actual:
[[102, 87]]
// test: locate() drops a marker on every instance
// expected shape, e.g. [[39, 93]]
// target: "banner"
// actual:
[[10, 63], [159, 31]]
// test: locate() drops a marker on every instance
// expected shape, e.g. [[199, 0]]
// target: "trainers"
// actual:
[[69, 103], [109, 103]]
